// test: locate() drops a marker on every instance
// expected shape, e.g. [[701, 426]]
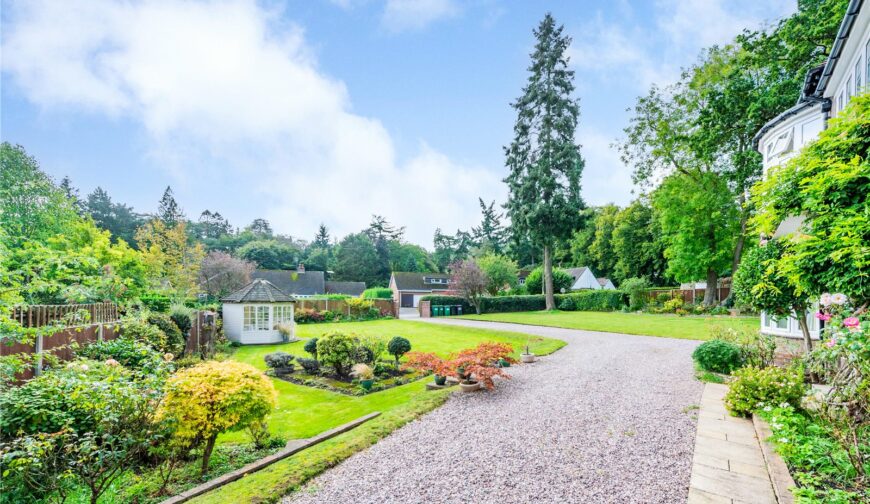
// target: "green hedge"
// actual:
[[378, 293], [598, 300]]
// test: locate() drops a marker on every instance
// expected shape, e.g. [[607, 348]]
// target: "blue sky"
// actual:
[[328, 111]]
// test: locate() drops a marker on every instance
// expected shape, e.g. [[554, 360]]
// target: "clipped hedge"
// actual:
[[378, 293], [597, 300]]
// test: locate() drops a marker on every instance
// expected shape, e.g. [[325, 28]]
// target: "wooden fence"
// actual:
[[73, 314], [61, 342], [341, 306], [692, 296]]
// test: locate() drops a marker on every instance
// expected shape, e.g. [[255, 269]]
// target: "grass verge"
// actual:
[[697, 327], [270, 484]]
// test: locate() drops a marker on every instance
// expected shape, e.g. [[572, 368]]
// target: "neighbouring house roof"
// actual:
[[523, 273], [419, 281], [259, 291], [576, 272], [309, 283], [349, 288]]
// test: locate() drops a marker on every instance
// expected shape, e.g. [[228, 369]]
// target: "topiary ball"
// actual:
[[718, 356]]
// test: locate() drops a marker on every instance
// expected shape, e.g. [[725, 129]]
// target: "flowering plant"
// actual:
[[847, 330], [472, 364]]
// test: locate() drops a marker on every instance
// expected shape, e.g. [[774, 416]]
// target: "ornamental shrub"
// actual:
[[183, 318], [378, 293], [398, 347], [338, 351], [636, 289], [140, 330], [215, 397], [278, 360], [311, 347], [311, 366], [85, 396], [128, 352], [672, 305], [754, 388], [308, 316], [373, 347], [718, 356], [174, 339]]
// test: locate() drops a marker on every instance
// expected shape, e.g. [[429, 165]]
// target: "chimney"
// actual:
[[300, 268]]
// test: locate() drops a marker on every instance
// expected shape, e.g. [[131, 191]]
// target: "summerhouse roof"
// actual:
[[259, 291]]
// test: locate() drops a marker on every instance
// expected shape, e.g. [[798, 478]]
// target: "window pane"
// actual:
[[248, 323], [263, 318], [858, 76]]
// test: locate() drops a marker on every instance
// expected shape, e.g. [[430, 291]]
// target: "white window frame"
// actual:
[[849, 88], [249, 317], [858, 83], [782, 144], [263, 318], [282, 314]]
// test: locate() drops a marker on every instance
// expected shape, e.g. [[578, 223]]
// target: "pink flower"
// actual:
[[851, 322], [823, 316], [831, 343], [111, 362], [825, 300]]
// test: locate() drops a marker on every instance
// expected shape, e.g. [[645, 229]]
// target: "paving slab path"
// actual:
[[608, 418]]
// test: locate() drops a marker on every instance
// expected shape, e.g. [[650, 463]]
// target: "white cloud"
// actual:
[[227, 88], [404, 15], [646, 52], [605, 178]]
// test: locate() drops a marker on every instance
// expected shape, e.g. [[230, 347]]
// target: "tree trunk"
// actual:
[[805, 329], [206, 454], [738, 246], [548, 280], [710, 291]]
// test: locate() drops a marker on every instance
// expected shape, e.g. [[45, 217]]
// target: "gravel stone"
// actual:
[[604, 419]]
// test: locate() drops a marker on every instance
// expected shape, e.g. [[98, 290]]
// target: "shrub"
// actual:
[[568, 304], [362, 372], [155, 302], [753, 388], [308, 316], [137, 329], [174, 340], [398, 347], [719, 310], [277, 360], [183, 318], [535, 281], [635, 288], [663, 297], [359, 307], [598, 300], [126, 351], [311, 366], [378, 293], [311, 347], [672, 305], [718, 356], [338, 351], [756, 349], [374, 346], [214, 397]]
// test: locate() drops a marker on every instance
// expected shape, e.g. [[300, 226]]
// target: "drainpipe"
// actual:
[[826, 108]]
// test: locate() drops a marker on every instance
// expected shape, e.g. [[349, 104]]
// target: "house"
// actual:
[[583, 279], [252, 314], [301, 283], [826, 91], [409, 287], [606, 284]]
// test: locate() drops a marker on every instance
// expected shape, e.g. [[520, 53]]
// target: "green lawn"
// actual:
[[304, 411], [667, 326]]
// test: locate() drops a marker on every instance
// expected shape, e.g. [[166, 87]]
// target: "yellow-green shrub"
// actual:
[[214, 397]]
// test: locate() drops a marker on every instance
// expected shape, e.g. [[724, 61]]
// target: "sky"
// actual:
[[328, 111]]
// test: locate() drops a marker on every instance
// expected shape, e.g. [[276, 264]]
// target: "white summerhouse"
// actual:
[[253, 313]]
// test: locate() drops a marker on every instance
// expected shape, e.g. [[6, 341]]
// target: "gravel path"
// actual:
[[604, 419]]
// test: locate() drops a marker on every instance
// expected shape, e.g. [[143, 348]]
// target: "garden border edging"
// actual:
[[292, 448], [780, 477]]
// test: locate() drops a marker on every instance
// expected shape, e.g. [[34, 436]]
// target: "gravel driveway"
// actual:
[[607, 418]]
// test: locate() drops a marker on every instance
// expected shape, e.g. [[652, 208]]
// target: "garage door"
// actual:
[[417, 298], [408, 301]]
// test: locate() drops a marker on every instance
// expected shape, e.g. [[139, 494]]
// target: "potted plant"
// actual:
[[364, 374], [467, 383], [478, 366], [527, 356], [280, 362], [429, 362], [286, 332]]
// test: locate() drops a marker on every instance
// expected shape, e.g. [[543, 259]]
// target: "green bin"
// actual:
[[436, 311]]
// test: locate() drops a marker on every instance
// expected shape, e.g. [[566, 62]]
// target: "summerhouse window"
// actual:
[[281, 314], [263, 318], [858, 76], [250, 319]]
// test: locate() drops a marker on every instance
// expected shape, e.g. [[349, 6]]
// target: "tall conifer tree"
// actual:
[[544, 160]]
